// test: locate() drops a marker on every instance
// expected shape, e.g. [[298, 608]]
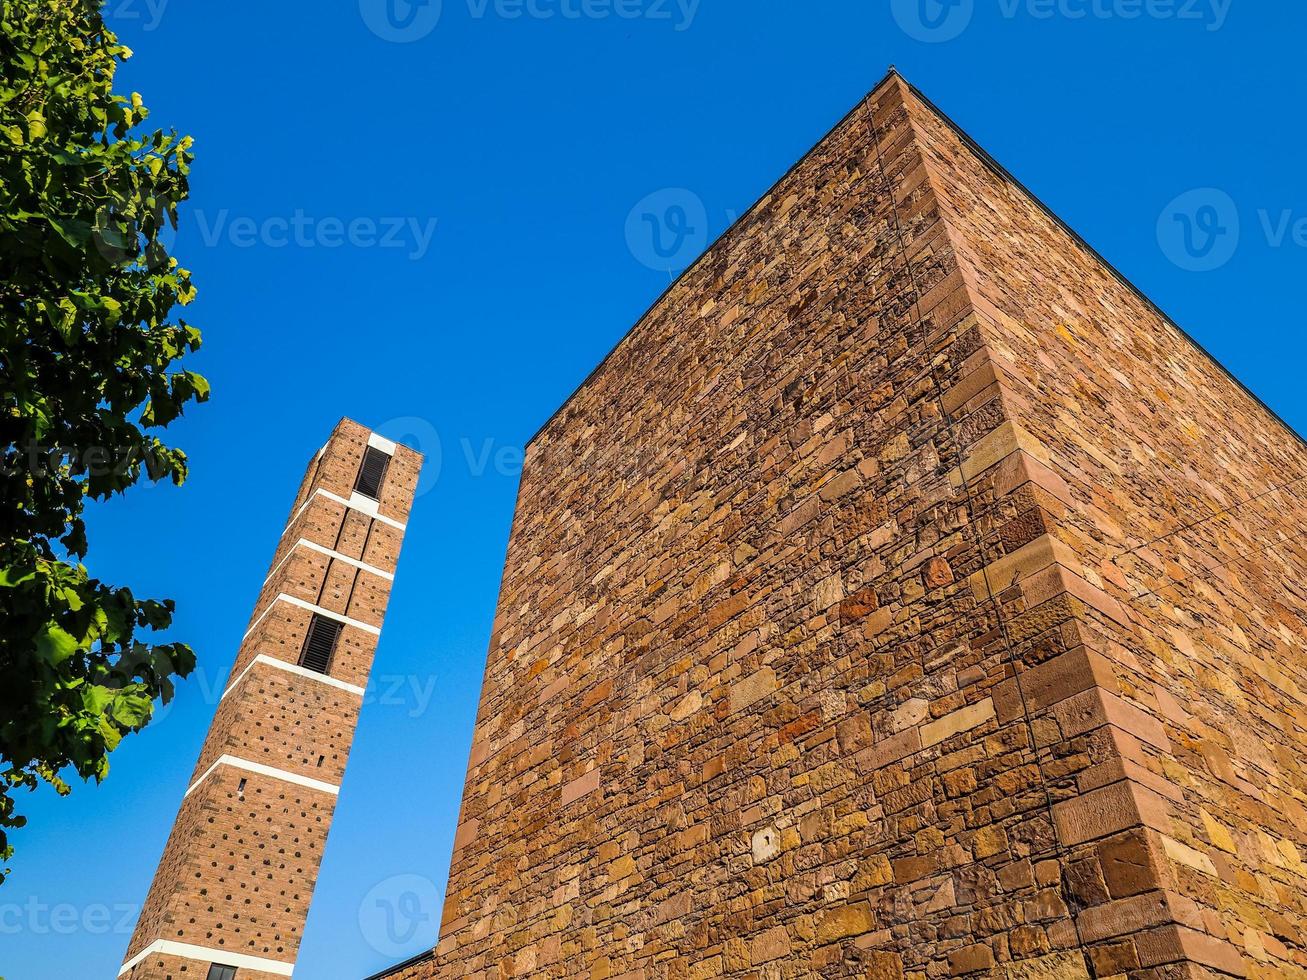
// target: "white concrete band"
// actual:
[[320, 610], [262, 770], [295, 669], [367, 505], [380, 443], [334, 555], [356, 501], [374, 440], [226, 957]]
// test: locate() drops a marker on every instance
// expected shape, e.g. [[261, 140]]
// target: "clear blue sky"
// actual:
[[528, 141]]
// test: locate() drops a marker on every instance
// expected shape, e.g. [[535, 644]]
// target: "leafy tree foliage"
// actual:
[[88, 374]]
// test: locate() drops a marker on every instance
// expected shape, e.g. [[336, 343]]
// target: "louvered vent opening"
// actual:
[[320, 644], [372, 472]]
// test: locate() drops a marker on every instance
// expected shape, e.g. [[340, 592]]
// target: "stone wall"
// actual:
[[822, 647]]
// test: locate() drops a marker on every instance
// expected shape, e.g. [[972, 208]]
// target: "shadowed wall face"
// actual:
[[815, 652], [236, 877]]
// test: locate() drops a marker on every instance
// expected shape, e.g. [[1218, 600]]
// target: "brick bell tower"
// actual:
[[232, 889]]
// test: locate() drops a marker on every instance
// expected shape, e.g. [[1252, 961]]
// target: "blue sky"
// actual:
[[436, 225]]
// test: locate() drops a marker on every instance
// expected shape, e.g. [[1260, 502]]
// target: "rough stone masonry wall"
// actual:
[[1180, 497], [742, 710], [834, 639]]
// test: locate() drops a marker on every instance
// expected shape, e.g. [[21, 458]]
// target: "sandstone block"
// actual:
[[753, 689], [770, 945], [971, 959], [581, 786], [848, 920], [1109, 810], [962, 720]]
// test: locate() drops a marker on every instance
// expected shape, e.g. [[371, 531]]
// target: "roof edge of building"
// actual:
[[891, 74], [391, 971], [986, 158]]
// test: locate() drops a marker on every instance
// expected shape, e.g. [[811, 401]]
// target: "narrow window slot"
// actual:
[[372, 472], [320, 644]]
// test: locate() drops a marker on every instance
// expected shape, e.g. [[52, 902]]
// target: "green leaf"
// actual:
[[55, 645], [110, 733], [200, 385], [12, 577], [94, 354], [132, 709], [74, 231], [95, 698], [72, 597]]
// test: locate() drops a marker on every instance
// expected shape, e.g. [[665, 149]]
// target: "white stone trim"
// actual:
[[356, 501], [320, 610], [362, 502], [205, 954], [262, 770], [291, 668], [381, 443], [336, 555]]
